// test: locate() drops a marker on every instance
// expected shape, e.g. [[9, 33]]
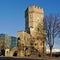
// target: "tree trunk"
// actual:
[[51, 51]]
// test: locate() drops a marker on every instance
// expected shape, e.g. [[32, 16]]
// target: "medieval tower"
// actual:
[[31, 41], [33, 16]]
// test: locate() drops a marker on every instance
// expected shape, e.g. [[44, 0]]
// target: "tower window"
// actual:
[[18, 38], [36, 44]]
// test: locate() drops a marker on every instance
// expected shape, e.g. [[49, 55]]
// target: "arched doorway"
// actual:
[[3, 52], [13, 51]]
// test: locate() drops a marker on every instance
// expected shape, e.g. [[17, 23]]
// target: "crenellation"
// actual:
[[37, 7]]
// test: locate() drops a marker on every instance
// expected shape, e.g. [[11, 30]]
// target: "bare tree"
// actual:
[[51, 25], [41, 34], [49, 29]]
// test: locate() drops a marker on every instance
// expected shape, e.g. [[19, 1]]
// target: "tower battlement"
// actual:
[[35, 7]]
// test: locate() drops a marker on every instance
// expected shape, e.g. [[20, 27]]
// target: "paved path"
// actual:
[[11, 58], [8, 58]]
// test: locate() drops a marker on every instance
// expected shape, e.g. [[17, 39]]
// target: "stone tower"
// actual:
[[33, 16], [30, 41]]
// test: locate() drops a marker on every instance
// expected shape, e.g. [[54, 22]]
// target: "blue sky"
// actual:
[[12, 13]]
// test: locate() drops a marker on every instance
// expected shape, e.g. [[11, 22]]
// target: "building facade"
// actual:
[[36, 41], [7, 42], [13, 42]]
